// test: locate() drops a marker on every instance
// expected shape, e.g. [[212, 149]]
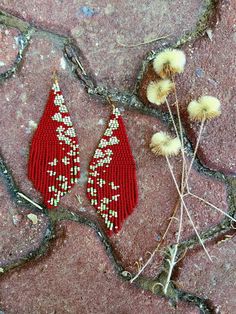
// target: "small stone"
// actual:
[[87, 11], [17, 219], [33, 218], [32, 124], [199, 72], [158, 237], [125, 273], [209, 33], [63, 63], [82, 209], [109, 9]]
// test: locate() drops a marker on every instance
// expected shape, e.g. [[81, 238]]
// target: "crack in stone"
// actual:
[[206, 17], [131, 101], [23, 41], [153, 285], [150, 284], [13, 190]]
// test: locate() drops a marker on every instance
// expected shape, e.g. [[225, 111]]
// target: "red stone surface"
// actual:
[[157, 194], [77, 277], [211, 70], [213, 281], [99, 26], [69, 278], [8, 47], [19, 237]]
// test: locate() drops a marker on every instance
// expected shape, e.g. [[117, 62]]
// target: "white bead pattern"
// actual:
[[103, 156], [66, 135]]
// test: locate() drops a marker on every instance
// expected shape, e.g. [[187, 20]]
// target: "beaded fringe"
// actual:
[[112, 184], [54, 165]]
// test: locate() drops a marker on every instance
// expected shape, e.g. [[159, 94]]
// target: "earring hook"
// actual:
[[111, 103], [54, 76]]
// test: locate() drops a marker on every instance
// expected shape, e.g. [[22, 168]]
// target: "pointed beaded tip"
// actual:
[[54, 76]]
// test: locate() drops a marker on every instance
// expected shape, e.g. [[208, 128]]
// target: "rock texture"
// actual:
[[76, 276]]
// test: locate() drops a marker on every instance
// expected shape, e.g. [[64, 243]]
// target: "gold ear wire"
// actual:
[[111, 103], [54, 76]]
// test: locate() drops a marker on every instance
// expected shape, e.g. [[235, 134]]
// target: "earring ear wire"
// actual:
[[54, 76], [111, 103]]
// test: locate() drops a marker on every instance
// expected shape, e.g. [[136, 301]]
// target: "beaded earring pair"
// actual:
[[54, 163]]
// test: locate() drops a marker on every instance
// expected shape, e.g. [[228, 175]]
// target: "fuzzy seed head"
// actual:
[[206, 107], [169, 62], [164, 145], [159, 90]]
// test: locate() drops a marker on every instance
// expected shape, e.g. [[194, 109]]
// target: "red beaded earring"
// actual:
[[54, 165], [112, 184]]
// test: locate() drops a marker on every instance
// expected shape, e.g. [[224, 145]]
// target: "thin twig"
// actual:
[[172, 263], [174, 213], [210, 204], [159, 244], [180, 223], [186, 209], [178, 112], [29, 200], [195, 150], [184, 166], [172, 118]]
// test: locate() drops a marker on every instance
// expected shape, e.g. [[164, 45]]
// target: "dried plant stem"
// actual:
[[186, 209], [189, 171], [172, 118], [213, 206], [183, 162], [29, 200], [182, 147], [172, 263], [81, 67], [174, 212], [195, 150], [146, 264], [159, 244], [178, 112], [180, 223], [172, 260], [184, 166]]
